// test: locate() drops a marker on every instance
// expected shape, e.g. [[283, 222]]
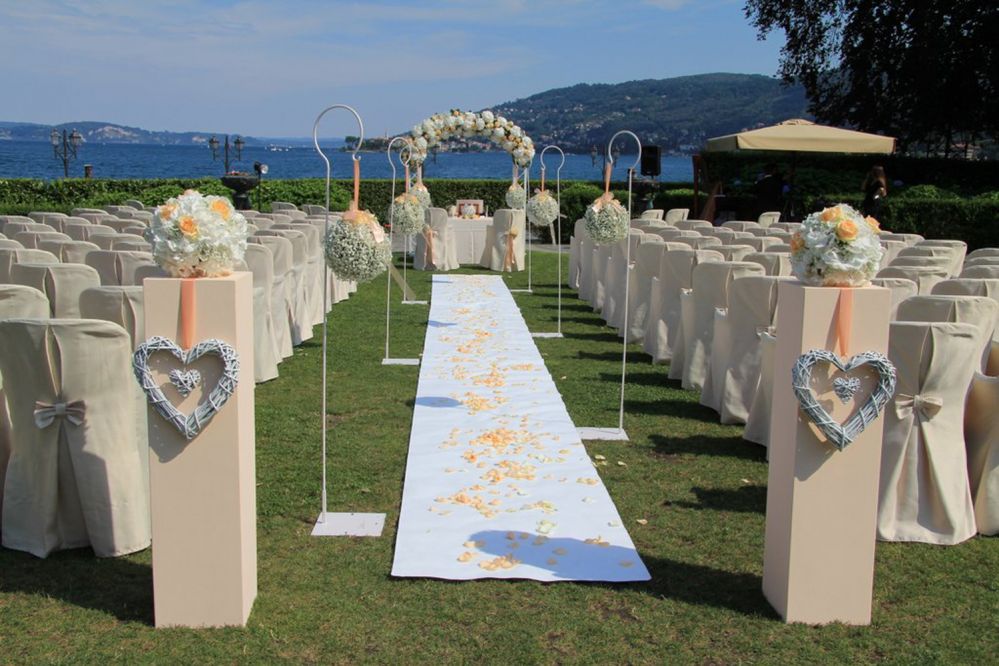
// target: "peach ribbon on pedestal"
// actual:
[[844, 319], [187, 308]]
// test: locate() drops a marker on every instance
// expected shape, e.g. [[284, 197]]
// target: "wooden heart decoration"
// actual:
[[843, 435], [190, 425]]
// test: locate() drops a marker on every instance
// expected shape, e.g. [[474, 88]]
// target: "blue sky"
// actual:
[[267, 68]]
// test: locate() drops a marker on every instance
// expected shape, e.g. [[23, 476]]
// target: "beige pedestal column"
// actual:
[[203, 492], [822, 502]]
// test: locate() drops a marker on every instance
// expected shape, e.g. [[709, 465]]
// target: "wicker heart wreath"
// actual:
[[842, 435], [190, 425]]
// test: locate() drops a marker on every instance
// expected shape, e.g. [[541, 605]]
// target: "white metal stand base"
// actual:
[[349, 524], [602, 434], [400, 361], [547, 334], [521, 291], [416, 302]]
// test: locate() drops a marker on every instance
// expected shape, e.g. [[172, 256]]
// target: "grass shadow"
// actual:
[[728, 447], [113, 585], [746, 499], [701, 585]]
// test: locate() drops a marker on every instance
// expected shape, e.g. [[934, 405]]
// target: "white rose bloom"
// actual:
[[487, 116], [480, 124], [499, 133], [516, 131], [421, 143], [500, 120]]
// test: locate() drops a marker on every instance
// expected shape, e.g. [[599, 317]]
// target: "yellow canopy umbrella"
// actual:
[[793, 136], [799, 135]]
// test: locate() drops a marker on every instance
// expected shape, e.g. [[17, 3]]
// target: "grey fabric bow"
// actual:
[[45, 414], [925, 406]]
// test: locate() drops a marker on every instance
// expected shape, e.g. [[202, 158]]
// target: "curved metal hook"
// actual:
[[552, 147], [315, 133], [405, 149], [610, 145]]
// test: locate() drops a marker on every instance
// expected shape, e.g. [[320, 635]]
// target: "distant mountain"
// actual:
[[676, 114], [100, 132]]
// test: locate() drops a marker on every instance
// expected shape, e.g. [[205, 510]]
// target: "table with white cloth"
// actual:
[[473, 240]]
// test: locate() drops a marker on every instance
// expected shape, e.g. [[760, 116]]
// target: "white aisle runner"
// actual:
[[498, 484]]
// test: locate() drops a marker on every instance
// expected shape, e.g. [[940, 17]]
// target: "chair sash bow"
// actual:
[[925, 407], [45, 414]]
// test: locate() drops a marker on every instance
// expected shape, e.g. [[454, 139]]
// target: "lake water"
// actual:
[[22, 159]]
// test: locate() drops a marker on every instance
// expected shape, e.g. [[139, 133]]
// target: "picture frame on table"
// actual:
[[477, 203]]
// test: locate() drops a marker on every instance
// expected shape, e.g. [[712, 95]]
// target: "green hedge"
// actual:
[[935, 212]]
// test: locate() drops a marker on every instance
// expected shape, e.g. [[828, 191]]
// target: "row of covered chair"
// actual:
[[710, 311], [73, 442]]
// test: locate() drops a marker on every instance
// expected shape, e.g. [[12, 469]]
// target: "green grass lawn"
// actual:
[[701, 488]]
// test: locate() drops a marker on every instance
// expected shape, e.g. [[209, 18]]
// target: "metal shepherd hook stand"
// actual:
[[388, 360], [527, 227], [619, 433], [408, 298], [557, 236], [337, 524]]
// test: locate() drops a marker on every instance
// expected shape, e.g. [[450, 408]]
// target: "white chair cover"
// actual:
[[62, 284], [693, 225], [944, 263], [773, 263], [769, 218], [901, 289], [740, 225], [301, 315], [12, 257], [69, 485], [925, 277], [925, 493], [674, 215], [586, 267], [508, 241], [617, 273], [117, 267], [892, 248], [981, 431], [7, 244], [69, 251], [33, 239], [602, 258], [733, 252], [981, 261], [735, 357], [908, 239], [281, 304], [984, 252], [575, 243], [266, 354], [953, 255], [981, 272], [646, 269], [980, 311], [16, 301], [700, 242], [663, 339], [710, 283], [757, 428], [122, 305], [652, 214], [313, 269]]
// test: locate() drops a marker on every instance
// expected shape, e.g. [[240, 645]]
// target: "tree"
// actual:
[[925, 71]]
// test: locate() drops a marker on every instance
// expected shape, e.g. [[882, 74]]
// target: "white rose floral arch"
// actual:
[[502, 132]]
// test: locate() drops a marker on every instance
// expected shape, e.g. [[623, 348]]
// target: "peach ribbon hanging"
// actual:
[[542, 179], [844, 319], [428, 233], [405, 169], [353, 208], [511, 237], [187, 307]]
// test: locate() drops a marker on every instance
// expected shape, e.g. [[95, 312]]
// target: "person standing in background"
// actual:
[[875, 190], [769, 190]]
